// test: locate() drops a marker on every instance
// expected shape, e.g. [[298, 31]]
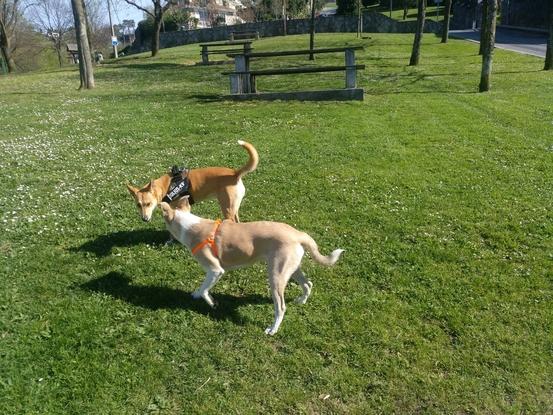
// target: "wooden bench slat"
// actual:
[[219, 51], [229, 43], [299, 52], [306, 69]]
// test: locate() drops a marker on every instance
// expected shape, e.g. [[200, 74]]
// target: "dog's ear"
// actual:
[[148, 187], [183, 204], [168, 213], [132, 190]]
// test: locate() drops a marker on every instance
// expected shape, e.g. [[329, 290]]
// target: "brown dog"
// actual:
[[222, 182], [219, 247]]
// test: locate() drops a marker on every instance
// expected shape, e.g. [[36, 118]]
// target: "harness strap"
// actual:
[[210, 240]]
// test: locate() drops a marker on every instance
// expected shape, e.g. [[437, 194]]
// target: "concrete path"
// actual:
[[530, 43]]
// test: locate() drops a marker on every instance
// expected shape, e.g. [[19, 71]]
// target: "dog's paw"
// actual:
[[270, 331], [301, 300]]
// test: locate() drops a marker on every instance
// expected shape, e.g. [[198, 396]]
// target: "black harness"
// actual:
[[180, 185]]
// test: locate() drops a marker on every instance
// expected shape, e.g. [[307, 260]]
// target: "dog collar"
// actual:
[[180, 185], [210, 240]]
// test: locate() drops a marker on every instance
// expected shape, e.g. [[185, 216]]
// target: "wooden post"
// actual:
[[242, 65], [351, 73], [205, 56]]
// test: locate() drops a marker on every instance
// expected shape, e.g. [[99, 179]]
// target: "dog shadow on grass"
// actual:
[[103, 245], [120, 286]]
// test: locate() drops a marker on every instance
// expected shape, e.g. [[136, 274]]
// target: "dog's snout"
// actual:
[[145, 219]]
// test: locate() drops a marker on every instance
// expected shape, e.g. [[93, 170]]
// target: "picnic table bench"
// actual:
[[252, 34], [243, 46], [243, 80]]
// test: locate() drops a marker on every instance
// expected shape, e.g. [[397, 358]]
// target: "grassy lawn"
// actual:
[[442, 198]]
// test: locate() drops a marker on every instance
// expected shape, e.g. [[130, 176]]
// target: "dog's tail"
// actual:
[[309, 243], [251, 165]]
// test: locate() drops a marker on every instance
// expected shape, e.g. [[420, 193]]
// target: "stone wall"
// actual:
[[372, 23]]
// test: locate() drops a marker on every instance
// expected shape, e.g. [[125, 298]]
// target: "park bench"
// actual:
[[243, 81], [253, 34], [243, 46]]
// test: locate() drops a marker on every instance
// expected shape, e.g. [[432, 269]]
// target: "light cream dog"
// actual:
[[222, 182], [219, 247]]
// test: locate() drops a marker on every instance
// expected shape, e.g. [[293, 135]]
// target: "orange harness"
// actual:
[[210, 240]]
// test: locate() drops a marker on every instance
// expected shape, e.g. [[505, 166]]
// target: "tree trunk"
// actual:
[[447, 18], [5, 48], [405, 9], [284, 18], [483, 26], [489, 42], [549, 53], [85, 57], [57, 45], [359, 28], [312, 31], [158, 16], [421, 15]]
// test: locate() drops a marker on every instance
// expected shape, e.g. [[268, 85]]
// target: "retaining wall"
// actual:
[[372, 23]]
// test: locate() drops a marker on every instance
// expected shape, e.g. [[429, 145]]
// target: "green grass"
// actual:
[[441, 196]]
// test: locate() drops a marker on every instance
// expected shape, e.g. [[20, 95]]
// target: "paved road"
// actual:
[[516, 40]]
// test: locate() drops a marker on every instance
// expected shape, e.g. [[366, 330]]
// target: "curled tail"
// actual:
[[251, 165], [309, 243]]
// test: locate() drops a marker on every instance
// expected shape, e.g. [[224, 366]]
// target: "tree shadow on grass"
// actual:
[[103, 245], [208, 97], [153, 66], [120, 286]]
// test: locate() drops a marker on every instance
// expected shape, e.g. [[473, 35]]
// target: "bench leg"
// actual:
[[235, 84], [351, 72], [205, 56]]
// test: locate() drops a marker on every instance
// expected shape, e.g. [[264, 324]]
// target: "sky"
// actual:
[[124, 11]]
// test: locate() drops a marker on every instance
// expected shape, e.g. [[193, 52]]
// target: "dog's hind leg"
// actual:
[[281, 268], [212, 276], [305, 285], [230, 199]]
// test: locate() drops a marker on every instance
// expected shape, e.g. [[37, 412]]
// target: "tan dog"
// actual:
[[222, 246], [222, 182]]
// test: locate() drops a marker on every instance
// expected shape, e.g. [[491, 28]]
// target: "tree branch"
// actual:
[[132, 3]]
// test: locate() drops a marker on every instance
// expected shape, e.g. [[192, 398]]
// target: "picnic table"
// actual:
[[243, 80]]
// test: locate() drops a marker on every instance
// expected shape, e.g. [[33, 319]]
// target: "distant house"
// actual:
[[72, 53], [210, 13]]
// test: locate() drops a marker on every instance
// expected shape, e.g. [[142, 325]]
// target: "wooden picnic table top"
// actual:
[[299, 52], [228, 43]]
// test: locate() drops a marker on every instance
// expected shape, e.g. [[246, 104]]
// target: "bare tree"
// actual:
[[489, 41], [85, 57], [157, 15], [421, 15], [9, 15], [447, 18], [54, 19], [549, 53]]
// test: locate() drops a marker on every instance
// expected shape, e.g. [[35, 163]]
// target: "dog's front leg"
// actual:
[[211, 278]]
